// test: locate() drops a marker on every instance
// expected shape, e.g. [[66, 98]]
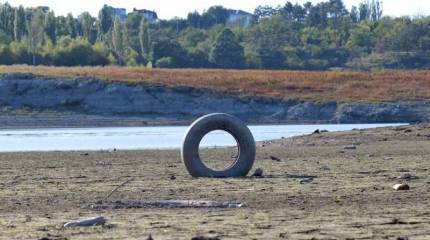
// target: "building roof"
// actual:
[[238, 12]]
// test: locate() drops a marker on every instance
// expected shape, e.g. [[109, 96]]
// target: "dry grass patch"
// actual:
[[387, 85]]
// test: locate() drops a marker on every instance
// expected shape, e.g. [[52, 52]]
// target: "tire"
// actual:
[[218, 121]]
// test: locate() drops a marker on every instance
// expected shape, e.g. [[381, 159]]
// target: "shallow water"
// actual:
[[136, 138]]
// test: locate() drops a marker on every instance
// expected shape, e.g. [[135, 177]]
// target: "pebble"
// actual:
[[306, 180], [406, 175], [258, 173], [172, 177], [275, 158], [401, 187], [350, 147]]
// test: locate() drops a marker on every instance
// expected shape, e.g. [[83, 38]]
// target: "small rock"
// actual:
[[408, 176], [325, 168], [388, 158], [206, 238], [258, 173], [306, 180], [149, 237], [88, 222], [324, 131], [172, 177], [408, 131], [401, 187], [370, 155], [85, 154], [403, 238], [316, 132], [350, 147], [275, 158]]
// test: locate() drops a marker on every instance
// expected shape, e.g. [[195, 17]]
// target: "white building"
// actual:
[[147, 14], [239, 18]]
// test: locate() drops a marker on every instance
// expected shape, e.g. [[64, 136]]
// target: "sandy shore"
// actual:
[[350, 195]]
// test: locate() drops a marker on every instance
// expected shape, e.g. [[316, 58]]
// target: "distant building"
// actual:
[[44, 9], [120, 13], [147, 14], [239, 18]]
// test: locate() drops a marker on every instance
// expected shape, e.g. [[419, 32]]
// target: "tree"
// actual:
[[194, 19], [105, 19], [118, 40], [7, 14], [19, 23], [376, 10], [35, 32], [227, 52], [50, 26], [168, 48], [71, 25], [144, 38], [86, 22], [364, 11]]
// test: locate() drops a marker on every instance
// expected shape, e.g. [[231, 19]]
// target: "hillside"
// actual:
[[339, 86]]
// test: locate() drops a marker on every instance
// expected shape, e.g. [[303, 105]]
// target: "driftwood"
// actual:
[[88, 222], [116, 189], [165, 204]]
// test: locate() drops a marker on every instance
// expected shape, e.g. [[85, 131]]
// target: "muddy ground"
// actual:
[[349, 197]]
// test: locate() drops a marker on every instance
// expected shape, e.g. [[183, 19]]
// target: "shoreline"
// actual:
[[48, 121]]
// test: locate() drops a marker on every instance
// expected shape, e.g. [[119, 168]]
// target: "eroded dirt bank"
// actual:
[[349, 196], [81, 101]]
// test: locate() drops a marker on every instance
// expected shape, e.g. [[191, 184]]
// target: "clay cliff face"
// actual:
[[96, 97]]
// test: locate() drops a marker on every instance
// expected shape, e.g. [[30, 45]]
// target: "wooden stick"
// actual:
[[116, 189]]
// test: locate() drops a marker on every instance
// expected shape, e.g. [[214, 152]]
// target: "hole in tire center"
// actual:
[[218, 150]]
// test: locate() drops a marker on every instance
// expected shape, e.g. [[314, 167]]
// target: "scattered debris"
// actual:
[[206, 238], [53, 237], [103, 163], [408, 176], [88, 222], [401, 187], [325, 168], [306, 180], [258, 173], [275, 158], [350, 147], [165, 204]]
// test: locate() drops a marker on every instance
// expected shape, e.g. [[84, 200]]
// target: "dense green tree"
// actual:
[[132, 29], [105, 19], [7, 15], [293, 36], [35, 32], [87, 25], [144, 39], [227, 51], [118, 40], [50, 26], [19, 23], [71, 25]]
